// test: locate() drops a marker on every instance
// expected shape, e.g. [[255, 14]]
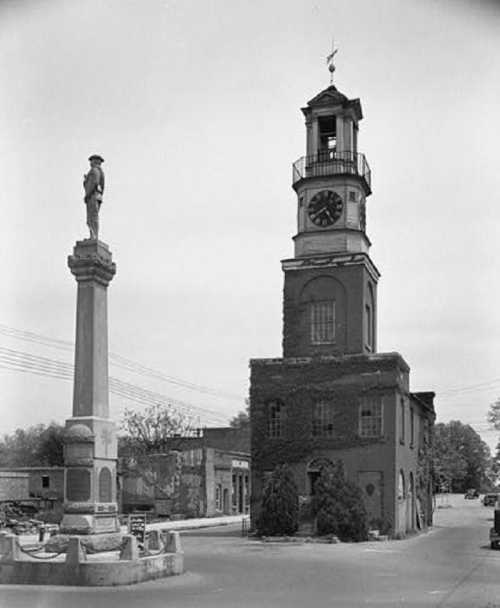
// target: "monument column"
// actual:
[[90, 450]]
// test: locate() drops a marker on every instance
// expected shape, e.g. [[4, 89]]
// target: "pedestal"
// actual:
[[90, 450]]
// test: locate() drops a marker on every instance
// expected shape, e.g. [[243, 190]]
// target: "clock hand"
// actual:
[[316, 213]]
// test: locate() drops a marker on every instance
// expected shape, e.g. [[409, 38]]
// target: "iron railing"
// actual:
[[330, 162]]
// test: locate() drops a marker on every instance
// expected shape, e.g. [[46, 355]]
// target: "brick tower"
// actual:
[[332, 396], [331, 283]]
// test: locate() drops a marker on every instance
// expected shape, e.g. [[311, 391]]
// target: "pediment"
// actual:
[[330, 96]]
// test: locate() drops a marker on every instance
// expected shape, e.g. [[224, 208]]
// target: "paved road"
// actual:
[[450, 566]]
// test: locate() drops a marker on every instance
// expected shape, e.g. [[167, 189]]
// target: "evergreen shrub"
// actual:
[[279, 513], [338, 505]]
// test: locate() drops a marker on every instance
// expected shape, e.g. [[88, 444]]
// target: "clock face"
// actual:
[[325, 208]]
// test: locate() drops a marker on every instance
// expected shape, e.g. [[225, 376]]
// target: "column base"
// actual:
[[93, 543], [89, 523]]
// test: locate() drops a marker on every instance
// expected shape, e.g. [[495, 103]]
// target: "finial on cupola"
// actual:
[[329, 61]]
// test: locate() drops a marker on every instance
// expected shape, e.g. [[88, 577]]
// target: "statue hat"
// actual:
[[96, 157]]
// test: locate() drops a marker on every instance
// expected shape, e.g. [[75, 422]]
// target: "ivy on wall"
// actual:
[[299, 385]]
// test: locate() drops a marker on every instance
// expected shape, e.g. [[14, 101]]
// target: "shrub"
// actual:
[[53, 516], [338, 505], [280, 504]]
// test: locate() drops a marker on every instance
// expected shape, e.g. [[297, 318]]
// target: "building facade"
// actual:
[[45, 485], [204, 476], [332, 396]]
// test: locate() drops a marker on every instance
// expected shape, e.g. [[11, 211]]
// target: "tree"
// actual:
[[493, 418], [280, 504], [338, 505], [242, 419], [156, 430], [460, 456], [495, 466], [37, 445], [493, 415], [51, 448]]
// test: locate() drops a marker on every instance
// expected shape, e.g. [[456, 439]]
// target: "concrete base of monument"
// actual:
[[93, 543], [82, 523], [76, 566]]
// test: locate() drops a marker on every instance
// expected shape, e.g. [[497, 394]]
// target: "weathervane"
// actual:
[[329, 61]]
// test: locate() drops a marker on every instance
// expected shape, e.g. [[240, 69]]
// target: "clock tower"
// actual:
[[332, 396], [330, 283]]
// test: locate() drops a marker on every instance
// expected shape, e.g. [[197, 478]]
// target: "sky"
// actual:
[[195, 107]]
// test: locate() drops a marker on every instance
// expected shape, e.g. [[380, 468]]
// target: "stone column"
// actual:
[[90, 453], [340, 133]]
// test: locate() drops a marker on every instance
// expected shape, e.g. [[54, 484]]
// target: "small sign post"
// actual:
[[137, 526]]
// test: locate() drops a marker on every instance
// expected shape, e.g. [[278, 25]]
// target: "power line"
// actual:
[[470, 387], [119, 361], [25, 362]]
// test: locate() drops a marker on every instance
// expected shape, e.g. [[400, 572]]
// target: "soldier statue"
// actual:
[[93, 183]]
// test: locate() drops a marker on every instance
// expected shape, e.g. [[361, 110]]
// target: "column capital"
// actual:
[[92, 261]]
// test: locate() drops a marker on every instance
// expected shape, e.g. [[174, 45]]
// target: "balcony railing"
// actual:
[[328, 162]]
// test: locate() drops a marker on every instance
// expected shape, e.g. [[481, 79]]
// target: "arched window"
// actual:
[[275, 418]]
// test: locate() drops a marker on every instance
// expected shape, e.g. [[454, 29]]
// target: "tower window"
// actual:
[[45, 481], [327, 137], [370, 417], [352, 196], [275, 419], [323, 415], [323, 322]]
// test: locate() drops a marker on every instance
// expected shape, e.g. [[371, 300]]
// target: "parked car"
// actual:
[[471, 493], [490, 500]]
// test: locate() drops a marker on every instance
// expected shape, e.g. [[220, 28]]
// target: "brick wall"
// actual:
[[348, 286], [300, 383], [14, 485], [47, 483]]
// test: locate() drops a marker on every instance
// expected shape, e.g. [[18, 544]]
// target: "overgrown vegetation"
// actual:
[[242, 418], [461, 459], [280, 504], [36, 446], [494, 421], [147, 433], [338, 505]]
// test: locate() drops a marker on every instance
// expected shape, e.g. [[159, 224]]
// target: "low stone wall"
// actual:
[[18, 567]]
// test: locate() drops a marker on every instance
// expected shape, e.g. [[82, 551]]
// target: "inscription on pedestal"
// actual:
[[105, 524], [78, 485]]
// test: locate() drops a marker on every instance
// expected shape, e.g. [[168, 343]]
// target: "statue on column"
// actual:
[[93, 183]]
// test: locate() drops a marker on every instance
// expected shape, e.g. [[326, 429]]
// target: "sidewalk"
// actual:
[[180, 524], [201, 522]]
